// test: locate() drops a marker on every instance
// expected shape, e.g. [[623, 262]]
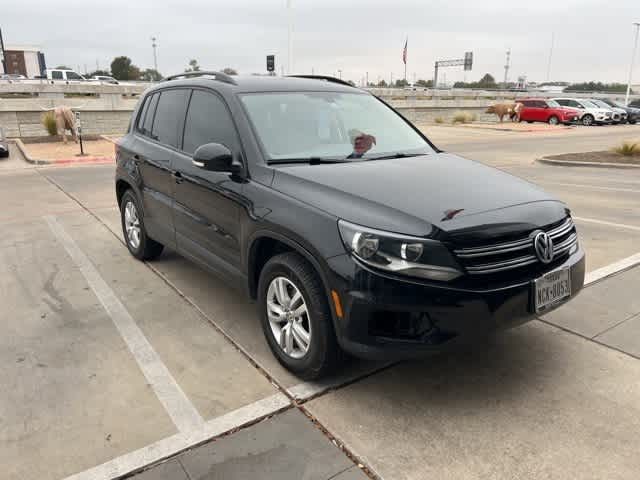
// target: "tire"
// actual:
[[141, 245], [587, 120], [553, 120], [322, 354], [632, 122]]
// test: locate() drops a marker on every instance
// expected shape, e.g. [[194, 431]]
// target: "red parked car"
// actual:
[[549, 111]]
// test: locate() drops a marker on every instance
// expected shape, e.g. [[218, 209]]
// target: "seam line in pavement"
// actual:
[[147, 457], [182, 412], [610, 224], [616, 325]]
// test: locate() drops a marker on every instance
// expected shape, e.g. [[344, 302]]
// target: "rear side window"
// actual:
[[208, 121], [143, 112], [56, 75], [169, 117], [145, 121]]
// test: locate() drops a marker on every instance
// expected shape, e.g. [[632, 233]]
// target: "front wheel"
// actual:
[[296, 318], [553, 120], [138, 242], [587, 120]]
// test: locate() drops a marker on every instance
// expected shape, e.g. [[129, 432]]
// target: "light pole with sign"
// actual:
[[79, 132]]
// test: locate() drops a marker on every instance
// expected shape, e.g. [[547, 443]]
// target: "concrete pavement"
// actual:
[[556, 398]]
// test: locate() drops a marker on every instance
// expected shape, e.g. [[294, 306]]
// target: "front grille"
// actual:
[[501, 257]]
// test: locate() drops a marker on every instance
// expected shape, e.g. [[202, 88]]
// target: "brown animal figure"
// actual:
[[66, 120], [502, 109]]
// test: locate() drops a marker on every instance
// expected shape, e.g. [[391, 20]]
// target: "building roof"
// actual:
[[22, 48]]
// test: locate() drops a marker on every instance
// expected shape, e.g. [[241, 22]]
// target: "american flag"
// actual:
[[404, 51]]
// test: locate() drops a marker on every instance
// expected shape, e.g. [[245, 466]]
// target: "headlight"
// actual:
[[399, 254]]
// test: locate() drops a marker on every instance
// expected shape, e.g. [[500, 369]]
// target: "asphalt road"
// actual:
[[109, 364]]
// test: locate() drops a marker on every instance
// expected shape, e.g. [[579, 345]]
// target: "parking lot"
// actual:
[[110, 365]]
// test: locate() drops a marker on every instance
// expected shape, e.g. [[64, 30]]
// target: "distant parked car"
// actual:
[[590, 113], [64, 75], [633, 114], [12, 76], [4, 146], [618, 114], [105, 79], [544, 110]]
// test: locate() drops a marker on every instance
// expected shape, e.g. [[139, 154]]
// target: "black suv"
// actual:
[[350, 228]]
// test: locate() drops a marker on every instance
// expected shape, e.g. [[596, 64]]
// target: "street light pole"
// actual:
[[290, 39], [155, 56], [633, 58]]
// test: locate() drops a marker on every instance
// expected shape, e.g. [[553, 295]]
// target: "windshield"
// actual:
[[329, 125], [553, 103]]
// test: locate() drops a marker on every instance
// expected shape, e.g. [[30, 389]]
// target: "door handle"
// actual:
[[177, 176]]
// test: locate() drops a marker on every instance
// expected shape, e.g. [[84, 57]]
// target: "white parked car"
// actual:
[[590, 113], [64, 75], [619, 115], [104, 79]]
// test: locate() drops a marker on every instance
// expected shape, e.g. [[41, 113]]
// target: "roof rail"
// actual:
[[325, 78], [222, 77]]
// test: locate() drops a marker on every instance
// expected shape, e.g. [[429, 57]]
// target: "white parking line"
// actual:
[[609, 224], [179, 442], [593, 187], [182, 412], [608, 270]]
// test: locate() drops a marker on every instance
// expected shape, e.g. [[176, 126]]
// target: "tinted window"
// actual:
[[143, 112], [56, 75], [526, 103], [167, 125], [73, 76], [208, 121], [563, 102], [148, 119]]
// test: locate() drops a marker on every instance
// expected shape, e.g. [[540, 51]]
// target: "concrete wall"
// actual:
[[106, 109]]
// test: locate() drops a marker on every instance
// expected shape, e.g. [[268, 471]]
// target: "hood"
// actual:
[[409, 195]]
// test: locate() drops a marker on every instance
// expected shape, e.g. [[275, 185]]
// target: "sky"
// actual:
[[593, 39]]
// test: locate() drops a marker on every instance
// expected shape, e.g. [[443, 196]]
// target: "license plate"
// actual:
[[551, 289]]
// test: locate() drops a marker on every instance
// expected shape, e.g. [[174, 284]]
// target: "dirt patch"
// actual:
[[59, 151], [597, 157]]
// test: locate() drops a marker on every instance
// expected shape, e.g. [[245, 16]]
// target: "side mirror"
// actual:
[[215, 157]]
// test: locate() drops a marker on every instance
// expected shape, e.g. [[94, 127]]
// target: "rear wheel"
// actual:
[[587, 120], [296, 318], [553, 120], [138, 242]]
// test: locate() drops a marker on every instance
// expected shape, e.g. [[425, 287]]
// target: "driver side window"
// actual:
[[208, 121]]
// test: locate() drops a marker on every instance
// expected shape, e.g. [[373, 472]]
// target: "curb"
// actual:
[[63, 161], [566, 163]]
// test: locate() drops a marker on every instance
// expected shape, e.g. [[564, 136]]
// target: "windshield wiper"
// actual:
[[309, 160], [395, 155]]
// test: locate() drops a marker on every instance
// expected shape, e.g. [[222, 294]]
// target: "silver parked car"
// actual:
[[619, 115], [4, 146]]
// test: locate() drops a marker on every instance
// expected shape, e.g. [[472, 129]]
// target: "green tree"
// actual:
[[193, 66], [230, 71], [401, 83], [151, 75], [597, 87], [424, 83], [487, 81], [382, 84], [123, 69]]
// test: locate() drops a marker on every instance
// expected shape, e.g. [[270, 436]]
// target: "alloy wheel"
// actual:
[[288, 317], [132, 225]]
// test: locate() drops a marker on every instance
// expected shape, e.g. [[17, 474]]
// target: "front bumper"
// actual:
[[388, 318]]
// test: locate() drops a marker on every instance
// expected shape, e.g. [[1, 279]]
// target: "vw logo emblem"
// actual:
[[543, 244]]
